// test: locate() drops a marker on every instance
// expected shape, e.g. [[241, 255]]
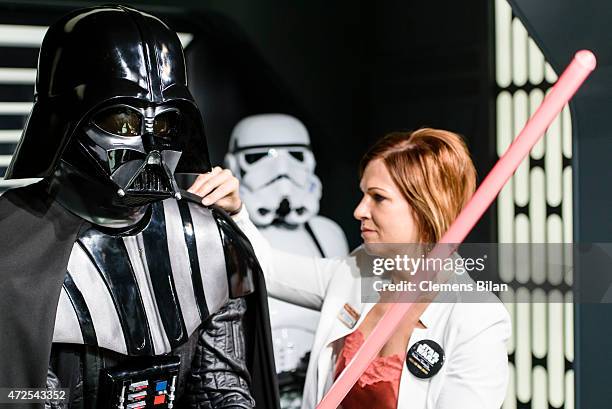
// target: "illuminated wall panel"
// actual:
[[535, 207]]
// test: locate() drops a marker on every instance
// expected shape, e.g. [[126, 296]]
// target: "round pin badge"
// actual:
[[425, 358]]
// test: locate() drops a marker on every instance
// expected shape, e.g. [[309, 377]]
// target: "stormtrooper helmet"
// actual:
[[271, 155]]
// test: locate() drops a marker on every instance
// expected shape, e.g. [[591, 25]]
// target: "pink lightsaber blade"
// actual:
[[572, 78]]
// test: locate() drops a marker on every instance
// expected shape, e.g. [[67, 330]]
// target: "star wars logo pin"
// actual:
[[425, 358]]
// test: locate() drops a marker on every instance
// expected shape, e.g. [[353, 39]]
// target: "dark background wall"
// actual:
[[361, 69], [351, 70]]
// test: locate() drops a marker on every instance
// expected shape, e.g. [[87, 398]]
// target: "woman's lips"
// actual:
[[367, 232]]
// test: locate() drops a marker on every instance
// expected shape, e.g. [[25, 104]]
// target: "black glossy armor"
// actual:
[[108, 269], [112, 114], [98, 56]]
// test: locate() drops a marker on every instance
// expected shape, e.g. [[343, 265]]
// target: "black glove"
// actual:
[[219, 377], [53, 383]]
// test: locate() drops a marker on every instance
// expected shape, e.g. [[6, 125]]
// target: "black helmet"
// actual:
[[104, 63]]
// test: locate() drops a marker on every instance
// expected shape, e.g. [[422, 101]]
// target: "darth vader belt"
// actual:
[[144, 383]]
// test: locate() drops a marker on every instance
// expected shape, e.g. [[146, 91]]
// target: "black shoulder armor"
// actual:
[[239, 255], [240, 259]]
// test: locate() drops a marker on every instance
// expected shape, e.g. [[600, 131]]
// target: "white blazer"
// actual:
[[472, 335]]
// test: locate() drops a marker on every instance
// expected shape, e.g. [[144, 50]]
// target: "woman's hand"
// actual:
[[220, 187]]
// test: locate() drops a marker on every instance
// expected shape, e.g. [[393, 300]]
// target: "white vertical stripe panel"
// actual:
[[549, 73], [135, 248], [211, 257], [553, 163], [506, 257], [503, 43], [523, 346], [18, 76], [554, 229], [555, 358], [537, 218], [21, 35], [522, 259], [537, 206], [536, 63], [568, 264], [181, 268], [67, 327], [554, 253], [10, 135], [569, 389], [510, 401], [536, 97], [539, 400], [521, 176], [539, 323], [101, 306], [569, 327], [504, 122], [519, 53], [505, 229], [566, 130], [566, 212], [507, 297], [566, 206]]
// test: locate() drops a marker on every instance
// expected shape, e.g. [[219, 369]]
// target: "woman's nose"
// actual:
[[361, 211]]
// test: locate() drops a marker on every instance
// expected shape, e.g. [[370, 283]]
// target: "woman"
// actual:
[[414, 185]]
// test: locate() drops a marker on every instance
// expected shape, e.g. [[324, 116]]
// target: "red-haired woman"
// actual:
[[414, 185]]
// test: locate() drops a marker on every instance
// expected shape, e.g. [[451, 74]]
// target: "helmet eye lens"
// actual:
[[120, 121], [297, 155], [166, 124], [254, 157]]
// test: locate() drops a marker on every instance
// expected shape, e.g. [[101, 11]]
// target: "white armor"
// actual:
[[271, 156]]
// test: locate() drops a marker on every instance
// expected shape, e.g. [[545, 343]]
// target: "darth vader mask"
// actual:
[[113, 119], [136, 147]]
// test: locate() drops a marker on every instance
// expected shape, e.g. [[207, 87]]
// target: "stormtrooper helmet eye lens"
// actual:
[[297, 155], [120, 121], [254, 157], [166, 124]]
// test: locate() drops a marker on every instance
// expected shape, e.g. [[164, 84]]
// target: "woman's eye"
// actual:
[[378, 198]]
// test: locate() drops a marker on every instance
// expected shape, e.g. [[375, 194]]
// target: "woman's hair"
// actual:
[[433, 170]]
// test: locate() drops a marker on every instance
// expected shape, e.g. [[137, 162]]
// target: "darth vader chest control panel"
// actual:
[[141, 385]]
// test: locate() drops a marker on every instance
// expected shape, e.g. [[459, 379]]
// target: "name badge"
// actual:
[[348, 316]]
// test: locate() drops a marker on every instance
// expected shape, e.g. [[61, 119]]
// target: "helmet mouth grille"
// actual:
[[152, 180]]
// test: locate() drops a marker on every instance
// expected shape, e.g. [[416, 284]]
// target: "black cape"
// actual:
[[37, 238]]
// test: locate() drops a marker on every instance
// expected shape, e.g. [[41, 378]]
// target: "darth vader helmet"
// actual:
[[112, 113], [271, 155]]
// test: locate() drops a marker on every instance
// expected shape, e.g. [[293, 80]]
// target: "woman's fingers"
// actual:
[[219, 187], [226, 190], [204, 182]]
